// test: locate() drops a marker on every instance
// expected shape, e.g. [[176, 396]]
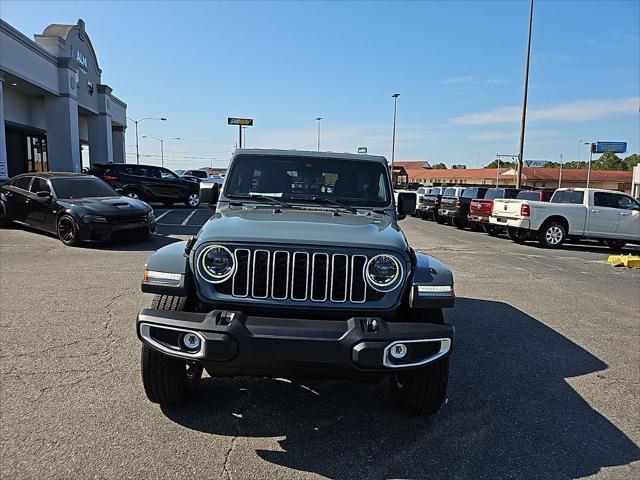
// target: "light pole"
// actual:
[[523, 116], [393, 139], [244, 137], [318, 120], [136, 122], [560, 176], [161, 145], [590, 159]]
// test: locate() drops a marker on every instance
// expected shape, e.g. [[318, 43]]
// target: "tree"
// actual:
[[608, 161], [631, 161], [494, 164], [439, 166]]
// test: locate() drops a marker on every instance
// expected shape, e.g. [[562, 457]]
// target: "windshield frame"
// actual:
[[81, 179], [307, 199]]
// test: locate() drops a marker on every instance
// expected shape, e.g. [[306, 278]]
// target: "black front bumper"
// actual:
[[233, 343], [104, 232]]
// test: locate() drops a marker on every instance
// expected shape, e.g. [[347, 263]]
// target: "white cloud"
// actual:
[[457, 80], [567, 112], [497, 136]]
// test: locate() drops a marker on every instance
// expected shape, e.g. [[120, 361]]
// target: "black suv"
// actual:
[[149, 183]]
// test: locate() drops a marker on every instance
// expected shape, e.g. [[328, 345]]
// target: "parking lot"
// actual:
[[544, 375]]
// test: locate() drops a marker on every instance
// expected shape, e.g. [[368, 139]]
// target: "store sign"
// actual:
[[362, 149], [534, 163], [240, 121], [609, 147]]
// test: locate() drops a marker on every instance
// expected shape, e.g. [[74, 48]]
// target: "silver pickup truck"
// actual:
[[572, 212]]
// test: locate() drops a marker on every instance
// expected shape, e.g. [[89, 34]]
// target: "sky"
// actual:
[[458, 67]]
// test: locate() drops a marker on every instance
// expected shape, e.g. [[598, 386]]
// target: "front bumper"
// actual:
[[104, 232], [503, 221], [233, 343]]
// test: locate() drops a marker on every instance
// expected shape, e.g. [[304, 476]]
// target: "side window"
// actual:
[[625, 203], [168, 174], [22, 182], [40, 185], [603, 199], [152, 173]]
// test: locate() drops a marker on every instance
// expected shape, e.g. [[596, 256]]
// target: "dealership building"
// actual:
[[55, 113]]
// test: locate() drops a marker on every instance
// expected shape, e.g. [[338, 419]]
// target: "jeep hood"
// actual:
[[303, 227]]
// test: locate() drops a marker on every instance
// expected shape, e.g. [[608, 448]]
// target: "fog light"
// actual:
[[191, 341], [398, 351]]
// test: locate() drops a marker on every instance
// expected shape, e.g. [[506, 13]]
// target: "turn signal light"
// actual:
[[524, 210]]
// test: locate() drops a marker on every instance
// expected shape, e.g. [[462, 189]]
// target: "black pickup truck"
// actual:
[[430, 204], [455, 208]]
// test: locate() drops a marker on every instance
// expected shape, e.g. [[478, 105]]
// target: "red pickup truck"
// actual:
[[481, 208]]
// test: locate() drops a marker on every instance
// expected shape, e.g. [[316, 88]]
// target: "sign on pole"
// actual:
[[609, 147], [362, 149], [245, 122]]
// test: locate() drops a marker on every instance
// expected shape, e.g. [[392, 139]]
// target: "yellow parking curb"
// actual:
[[629, 261]]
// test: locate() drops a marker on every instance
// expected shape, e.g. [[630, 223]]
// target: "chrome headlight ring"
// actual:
[[206, 273], [394, 275]]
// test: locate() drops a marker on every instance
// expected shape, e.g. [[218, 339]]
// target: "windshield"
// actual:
[[80, 187], [353, 182]]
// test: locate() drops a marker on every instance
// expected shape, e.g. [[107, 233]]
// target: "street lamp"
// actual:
[[138, 121], [393, 139], [590, 158], [318, 120], [161, 145]]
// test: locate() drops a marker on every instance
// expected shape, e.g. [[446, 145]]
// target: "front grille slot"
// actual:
[[299, 276]]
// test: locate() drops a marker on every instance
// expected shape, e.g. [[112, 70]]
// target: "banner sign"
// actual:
[[241, 121], [609, 147]]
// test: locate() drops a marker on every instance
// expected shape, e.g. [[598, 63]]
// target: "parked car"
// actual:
[[73, 206], [299, 279], [535, 195], [149, 183], [456, 208], [448, 202], [430, 204], [607, 215], [199, 174], [480, 208], [420, 193]]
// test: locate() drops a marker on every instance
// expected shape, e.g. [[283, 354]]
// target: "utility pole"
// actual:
[[590, 159], [161, 145], [318, 120], [523, 117], [498, 157], [560, 176], [393, 140], [136, 122]]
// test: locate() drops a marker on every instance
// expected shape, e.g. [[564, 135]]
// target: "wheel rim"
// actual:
[[66, 230], [194, 199], [133, 195], [554, 235]]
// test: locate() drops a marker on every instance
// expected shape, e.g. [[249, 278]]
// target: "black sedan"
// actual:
[[73, 206]]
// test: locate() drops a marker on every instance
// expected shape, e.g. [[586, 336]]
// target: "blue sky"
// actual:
[[457, 65]]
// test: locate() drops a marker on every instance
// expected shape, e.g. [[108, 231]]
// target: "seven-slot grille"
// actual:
[[298, 276]]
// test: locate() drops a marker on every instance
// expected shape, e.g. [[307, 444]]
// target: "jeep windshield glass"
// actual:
[[81, 187], [351, 182]]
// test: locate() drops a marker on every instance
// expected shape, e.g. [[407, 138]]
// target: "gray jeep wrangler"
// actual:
[[301, 272]]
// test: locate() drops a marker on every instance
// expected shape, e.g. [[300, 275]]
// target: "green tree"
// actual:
[[631, 161], [552, 165], [439, 166], [608, 161], [494, 164]]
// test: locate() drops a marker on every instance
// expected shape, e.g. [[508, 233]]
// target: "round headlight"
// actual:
[[383, 271], [217, 264]]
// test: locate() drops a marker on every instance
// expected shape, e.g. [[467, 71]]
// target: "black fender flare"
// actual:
[[431, 272], [171, 258]]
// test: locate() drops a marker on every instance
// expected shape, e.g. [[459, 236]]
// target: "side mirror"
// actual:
[[406, 204], [120, 191], [43, 194], [209, 193]]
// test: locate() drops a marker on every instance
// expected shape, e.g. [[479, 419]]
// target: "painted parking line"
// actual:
[[162, 215], [186, 220]]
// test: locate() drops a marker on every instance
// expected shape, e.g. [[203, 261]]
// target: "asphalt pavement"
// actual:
[[544, 375]]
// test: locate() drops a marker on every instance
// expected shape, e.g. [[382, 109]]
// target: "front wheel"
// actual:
[[421, 391], [552, 235], [4, 215], [192, 200], [166, 380], [517, 235], [68, 231]]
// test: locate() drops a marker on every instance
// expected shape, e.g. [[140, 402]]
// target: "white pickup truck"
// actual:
[[572, 212]]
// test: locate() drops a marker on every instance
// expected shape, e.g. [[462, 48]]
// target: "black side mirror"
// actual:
[[406, 204], [209, 193], [43, 194]]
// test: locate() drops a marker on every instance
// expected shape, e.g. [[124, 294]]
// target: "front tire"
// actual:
[[68, 231], [552, 235], [4, 215], [421, 391], [166, 380], [192, 200]]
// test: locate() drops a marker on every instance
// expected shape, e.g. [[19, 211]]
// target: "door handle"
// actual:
[[594, 211], [625, 214]]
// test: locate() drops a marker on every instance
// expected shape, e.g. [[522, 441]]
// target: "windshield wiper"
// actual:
[[263, 198], [330, 201]]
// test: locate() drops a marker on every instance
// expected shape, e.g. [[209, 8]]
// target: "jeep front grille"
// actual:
[[299, 276]]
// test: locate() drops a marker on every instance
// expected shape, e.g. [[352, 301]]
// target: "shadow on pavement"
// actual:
[[511, 412]]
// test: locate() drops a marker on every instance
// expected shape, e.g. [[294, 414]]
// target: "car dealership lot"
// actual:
[[544, 375]]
